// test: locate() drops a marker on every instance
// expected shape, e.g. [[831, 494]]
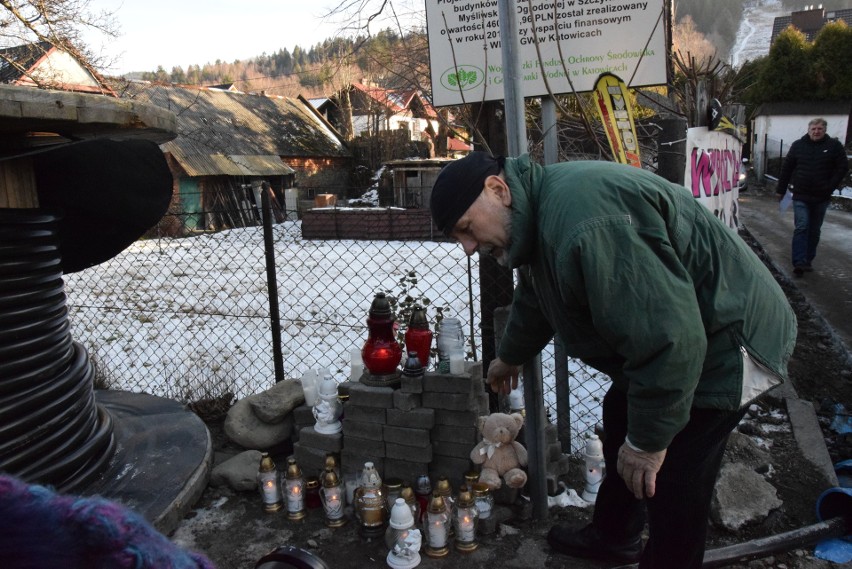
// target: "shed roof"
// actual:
[[810, 108], [227, 133]]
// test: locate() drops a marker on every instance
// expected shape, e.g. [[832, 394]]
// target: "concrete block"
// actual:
[[352, 463], [416, 418], [303, 415], [364, 447], [405, 436], [368, 396], [449, 401], [357, 429], [456, 450], [405, 470], [406, 401], [420, 455], [809, 438], [308, 436], [411, 384], [454, 434], [466, 418], [441, 383], [481, 404], [364, 414], [453, 468], [311, 460]]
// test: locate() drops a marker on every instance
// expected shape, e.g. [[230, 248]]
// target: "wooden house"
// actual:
[[48, 67], [230, 144]]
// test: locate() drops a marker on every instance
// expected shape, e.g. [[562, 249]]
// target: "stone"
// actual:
[[276, 403], [357, 429], [369, 396], [741, 497], [409, 453], [408, 437], [742, 449], [243, 427], [238, 472]]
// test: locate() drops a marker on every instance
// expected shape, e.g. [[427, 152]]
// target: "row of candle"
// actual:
[[374, 503]]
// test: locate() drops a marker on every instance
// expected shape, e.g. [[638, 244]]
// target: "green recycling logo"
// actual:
[[462, 78]]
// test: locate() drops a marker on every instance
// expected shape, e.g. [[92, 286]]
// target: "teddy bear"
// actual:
[[500, 455]]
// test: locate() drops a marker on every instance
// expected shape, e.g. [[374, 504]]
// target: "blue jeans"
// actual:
[[808, 218], [677, 514]]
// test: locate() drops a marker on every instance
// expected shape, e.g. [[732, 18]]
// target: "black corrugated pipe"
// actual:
[[51, 429]]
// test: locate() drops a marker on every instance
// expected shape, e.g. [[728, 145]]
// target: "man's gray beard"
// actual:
[[503, 258]]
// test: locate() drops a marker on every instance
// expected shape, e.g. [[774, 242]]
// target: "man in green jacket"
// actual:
[[641, 282]]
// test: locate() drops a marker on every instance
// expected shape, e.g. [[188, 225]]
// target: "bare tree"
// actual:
[[61, 23]]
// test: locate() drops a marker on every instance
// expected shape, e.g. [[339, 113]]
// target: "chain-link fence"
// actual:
[[189, 317]]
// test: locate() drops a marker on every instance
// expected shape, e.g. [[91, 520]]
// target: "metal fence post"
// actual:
[[272, 283]]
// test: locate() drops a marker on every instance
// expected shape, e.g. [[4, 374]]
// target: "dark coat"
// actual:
[[814, 168]]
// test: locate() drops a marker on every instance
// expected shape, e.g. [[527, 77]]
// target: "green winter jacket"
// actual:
[[642, 283]]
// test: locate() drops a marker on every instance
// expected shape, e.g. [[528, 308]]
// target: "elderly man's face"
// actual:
[[816, 131], [486, 225]]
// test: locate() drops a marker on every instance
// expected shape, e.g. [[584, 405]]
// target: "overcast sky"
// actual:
[[185, 32]]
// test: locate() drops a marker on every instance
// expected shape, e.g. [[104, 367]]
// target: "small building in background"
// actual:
[[810, 21], [46, 66]]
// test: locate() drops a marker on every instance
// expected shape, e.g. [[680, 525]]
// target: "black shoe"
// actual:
[[798, 271], [587, 543]]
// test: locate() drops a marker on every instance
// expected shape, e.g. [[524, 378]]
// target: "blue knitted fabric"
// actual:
[[40, 529]]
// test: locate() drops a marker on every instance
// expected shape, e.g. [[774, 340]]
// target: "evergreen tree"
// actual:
[[832, 61], [788, 74]]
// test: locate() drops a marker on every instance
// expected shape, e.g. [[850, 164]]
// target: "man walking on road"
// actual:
[[815, 164]]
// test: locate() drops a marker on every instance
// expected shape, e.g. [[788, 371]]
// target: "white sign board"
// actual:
[[713, 161], [576, 39]]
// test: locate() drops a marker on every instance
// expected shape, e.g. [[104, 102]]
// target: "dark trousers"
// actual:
[[678, 513], [808, 218]]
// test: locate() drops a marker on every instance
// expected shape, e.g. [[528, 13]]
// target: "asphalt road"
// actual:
[[829, 287]]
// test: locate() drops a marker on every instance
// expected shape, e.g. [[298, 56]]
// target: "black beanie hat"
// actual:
[[458, 185]]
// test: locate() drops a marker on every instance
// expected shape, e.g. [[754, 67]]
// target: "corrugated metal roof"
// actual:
[[228, 165], [214, 123]]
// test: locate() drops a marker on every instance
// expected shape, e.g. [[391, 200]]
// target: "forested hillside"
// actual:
[[387, 57]]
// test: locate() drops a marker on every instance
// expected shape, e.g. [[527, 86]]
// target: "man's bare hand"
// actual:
[[639, 470], [502, 377]]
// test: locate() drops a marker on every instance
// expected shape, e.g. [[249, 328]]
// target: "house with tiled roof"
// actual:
[[810, 21], [377, 110], [46, 66], [231, 143]]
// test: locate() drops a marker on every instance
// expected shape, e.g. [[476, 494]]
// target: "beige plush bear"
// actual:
[[499, 453]]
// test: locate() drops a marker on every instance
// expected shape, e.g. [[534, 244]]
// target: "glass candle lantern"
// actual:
[[392, 488], [483, 499], [450, 345], [445, 491], [422, 491], [465, 520], [331, 496], [370, 509], [418, 336], [412, 366], [400, 520], [381, 352], [269, 485], [330, 462], [595, 467], [329, 409], [294, 488], [312, 496], [437, 528], [407, 494]]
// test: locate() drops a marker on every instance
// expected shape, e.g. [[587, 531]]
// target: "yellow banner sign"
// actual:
[[614, 109]]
